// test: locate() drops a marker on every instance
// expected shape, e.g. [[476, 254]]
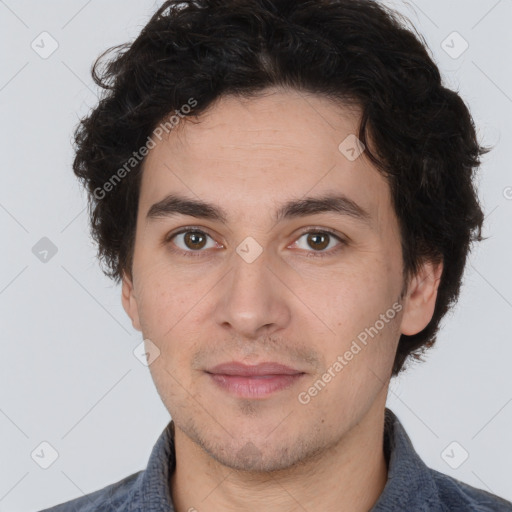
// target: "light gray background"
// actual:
[[68, 373]]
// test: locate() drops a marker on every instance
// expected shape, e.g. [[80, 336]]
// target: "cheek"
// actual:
[[361, 322], [161, 289], [169, 305], [167, 319], [354, 299]]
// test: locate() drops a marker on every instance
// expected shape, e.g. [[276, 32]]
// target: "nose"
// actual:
[[253, 301]]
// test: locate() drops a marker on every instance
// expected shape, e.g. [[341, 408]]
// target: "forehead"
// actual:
[[277, 125], [254, 154]]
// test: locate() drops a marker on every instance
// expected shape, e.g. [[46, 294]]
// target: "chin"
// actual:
[[261, 453]]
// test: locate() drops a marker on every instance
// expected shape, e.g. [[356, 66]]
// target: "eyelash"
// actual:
[[314, 254]]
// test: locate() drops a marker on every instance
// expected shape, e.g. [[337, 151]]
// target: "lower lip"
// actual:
[[256, 386]]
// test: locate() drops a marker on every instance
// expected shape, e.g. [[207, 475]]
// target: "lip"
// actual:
[[244, 370], [255, 381]]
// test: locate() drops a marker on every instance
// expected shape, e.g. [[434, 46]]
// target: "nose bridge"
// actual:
[[251, 300], [250, 264], [250, 286]]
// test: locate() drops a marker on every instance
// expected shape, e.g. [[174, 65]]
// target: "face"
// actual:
[[272, 272]]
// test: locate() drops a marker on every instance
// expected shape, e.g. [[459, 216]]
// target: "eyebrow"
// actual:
[[179, 205]]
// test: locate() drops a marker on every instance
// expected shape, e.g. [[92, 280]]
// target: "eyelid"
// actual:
[[186, 229], [320, 229]]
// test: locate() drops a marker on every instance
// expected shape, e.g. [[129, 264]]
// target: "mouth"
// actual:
[[256, 381]]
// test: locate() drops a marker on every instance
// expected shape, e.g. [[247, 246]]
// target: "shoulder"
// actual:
[[458, 496], [116, 496]]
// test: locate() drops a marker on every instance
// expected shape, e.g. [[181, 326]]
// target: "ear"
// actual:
[[130, 302], [420, 298]]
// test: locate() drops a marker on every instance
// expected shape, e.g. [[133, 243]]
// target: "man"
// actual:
[[285, 190]]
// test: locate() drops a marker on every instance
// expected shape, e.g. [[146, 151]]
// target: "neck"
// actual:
[[348, 476]]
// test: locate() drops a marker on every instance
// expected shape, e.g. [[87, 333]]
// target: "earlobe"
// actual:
[[420, 299], [130, 302]]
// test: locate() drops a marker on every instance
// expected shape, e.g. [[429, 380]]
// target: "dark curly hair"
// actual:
[[418, 133]]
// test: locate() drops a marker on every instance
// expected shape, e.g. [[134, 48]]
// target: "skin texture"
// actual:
[[250, 156]]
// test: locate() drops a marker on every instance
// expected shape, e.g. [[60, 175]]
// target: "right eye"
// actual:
[[190, 241]]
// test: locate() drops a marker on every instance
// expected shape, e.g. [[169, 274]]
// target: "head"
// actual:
[[324, 176]]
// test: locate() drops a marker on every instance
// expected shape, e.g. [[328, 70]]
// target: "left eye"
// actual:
[[318, 240]]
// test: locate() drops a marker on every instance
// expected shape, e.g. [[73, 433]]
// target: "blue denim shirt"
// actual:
[[411, 485]]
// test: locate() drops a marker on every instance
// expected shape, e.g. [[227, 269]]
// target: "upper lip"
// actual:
[[243, 370]]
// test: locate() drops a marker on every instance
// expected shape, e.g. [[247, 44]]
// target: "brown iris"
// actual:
[[192, 239], [313, 240]]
